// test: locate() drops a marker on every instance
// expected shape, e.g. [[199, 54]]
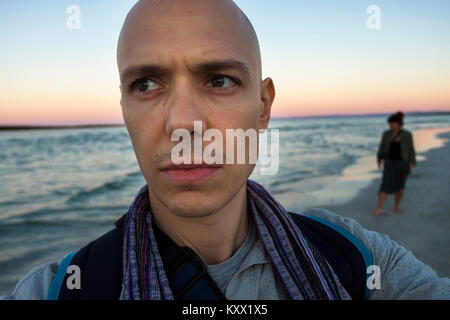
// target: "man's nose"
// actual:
[[183, 108]]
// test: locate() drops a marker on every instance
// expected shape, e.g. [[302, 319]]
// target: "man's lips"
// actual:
[[190, 173]]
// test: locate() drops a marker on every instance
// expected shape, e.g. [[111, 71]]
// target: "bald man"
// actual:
[[204, 231]]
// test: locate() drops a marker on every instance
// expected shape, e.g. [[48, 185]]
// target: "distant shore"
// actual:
[[59, 127], [424, 225]]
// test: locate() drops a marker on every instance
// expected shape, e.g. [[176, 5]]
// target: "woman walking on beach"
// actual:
[[396, 153]]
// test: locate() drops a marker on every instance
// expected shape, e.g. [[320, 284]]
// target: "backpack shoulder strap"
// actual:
[[100, 263], [347, 255], [55, 285]]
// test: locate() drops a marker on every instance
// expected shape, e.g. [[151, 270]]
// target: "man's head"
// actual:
[[182, 61]]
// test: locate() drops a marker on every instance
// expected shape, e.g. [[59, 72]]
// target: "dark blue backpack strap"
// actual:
[[100, 263], [365, 252], [58, 280], [347, 255]]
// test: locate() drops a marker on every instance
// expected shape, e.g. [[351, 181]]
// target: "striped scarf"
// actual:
[[304, 273]]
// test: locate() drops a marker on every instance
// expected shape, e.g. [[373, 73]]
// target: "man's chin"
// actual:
[[193, 204]]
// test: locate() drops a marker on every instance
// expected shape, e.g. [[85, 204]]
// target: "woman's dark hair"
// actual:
[[396, 117]]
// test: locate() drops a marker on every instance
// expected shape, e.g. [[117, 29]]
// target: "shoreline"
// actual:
[[423, 226], [61, 127], [338, 189]]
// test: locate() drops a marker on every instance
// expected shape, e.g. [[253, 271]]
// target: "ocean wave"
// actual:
[[108, 186], [13, 224], [134, 173], [290, 177], [30, 255], [46, 215], [114, 185]]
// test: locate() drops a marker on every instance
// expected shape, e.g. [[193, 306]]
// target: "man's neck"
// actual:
[[215, 237]]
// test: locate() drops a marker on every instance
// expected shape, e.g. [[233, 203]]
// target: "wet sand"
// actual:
[[424, 225]]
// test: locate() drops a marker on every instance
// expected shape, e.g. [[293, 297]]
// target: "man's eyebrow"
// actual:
[[218, 65], [137, 71]]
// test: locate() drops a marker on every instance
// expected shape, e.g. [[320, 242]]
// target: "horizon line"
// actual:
[[4, 127]]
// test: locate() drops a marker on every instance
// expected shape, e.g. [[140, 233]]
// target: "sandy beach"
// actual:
[[424, 225]]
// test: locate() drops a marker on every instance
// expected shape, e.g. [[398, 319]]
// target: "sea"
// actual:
[[62, 188]]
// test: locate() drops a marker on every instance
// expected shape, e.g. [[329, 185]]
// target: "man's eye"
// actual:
[[145, 85], [221, 82]]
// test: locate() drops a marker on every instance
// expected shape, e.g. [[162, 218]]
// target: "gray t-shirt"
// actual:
[[403, 276], [247, 274], [223, 272]]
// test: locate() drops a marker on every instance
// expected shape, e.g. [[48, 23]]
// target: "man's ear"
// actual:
[[267, 98]]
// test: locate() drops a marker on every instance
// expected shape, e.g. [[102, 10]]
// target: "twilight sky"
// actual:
[[320, 53]]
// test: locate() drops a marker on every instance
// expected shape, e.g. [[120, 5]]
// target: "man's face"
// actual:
[[183, 66]]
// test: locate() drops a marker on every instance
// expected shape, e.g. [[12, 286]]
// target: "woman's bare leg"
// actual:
[[398, 199], [382, 196]]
